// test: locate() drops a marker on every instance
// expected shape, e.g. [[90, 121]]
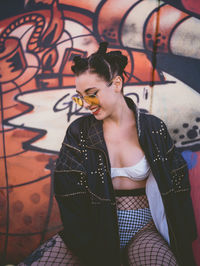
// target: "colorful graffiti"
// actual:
[[161, 40]]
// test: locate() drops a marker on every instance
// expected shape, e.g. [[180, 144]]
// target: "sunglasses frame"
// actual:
[[80, 99], [85, 98]]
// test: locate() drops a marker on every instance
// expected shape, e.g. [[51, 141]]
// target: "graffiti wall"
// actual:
[[37, 45]]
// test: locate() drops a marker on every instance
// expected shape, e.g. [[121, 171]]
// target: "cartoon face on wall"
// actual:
[[36, 52]]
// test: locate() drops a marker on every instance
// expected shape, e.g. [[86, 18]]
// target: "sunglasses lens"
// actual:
[[91, 100], [78, 101]]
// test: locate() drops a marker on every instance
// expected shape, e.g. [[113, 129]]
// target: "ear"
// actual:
[[118, 83]]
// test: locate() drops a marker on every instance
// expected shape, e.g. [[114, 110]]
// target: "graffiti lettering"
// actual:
[[65, 103]]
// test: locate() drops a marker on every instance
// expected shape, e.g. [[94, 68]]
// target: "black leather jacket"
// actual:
[[85, 195]]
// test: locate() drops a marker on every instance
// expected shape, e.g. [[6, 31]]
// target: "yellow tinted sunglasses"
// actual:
[[90, 99]]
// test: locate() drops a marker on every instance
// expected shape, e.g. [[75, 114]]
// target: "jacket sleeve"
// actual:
[[70, 186], [177, 165], [180, 189], [178, 204]]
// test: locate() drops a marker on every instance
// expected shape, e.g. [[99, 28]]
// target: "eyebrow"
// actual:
[[87, 90]]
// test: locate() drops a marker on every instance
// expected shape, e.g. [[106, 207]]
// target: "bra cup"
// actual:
[[137, 172]]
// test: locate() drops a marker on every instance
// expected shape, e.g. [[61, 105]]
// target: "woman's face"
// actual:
[[91, 83]]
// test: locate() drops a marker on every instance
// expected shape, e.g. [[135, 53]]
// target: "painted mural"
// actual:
[[37, 45]]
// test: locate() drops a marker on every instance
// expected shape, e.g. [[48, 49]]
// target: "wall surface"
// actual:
[[37, 44]]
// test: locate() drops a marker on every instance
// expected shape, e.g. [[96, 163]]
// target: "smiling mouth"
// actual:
[[95, 111]]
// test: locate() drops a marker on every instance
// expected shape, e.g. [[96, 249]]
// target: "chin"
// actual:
[[99, 117]]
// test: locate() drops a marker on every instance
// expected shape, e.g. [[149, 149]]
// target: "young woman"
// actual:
[[121, 185]]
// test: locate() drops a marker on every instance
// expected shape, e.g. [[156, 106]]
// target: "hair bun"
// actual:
[[102, 48], [106, 64], [77, 59], [118, 58], [80, 63], [124, 61]]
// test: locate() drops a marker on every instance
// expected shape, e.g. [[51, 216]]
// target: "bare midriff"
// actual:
[[122, 182]]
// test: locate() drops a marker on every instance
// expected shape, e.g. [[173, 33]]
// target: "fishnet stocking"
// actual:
[[132, 202], [51, 253], [148, 247]]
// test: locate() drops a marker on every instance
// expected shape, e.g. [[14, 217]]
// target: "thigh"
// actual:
[[148, 247], [53, 252]]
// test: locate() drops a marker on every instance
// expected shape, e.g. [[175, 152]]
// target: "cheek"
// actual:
[[104, 101], [106, 98]]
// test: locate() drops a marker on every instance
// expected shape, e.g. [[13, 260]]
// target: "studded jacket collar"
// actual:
[[85, 195]]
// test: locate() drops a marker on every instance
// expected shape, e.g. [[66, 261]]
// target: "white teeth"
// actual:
[[94, 110]]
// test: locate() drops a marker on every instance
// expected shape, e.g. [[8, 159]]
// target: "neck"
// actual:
[[122, 115]]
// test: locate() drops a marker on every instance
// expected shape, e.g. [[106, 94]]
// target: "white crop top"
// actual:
[[137, 172]]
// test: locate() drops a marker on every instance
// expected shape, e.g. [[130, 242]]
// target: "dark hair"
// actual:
[[107, 65]]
